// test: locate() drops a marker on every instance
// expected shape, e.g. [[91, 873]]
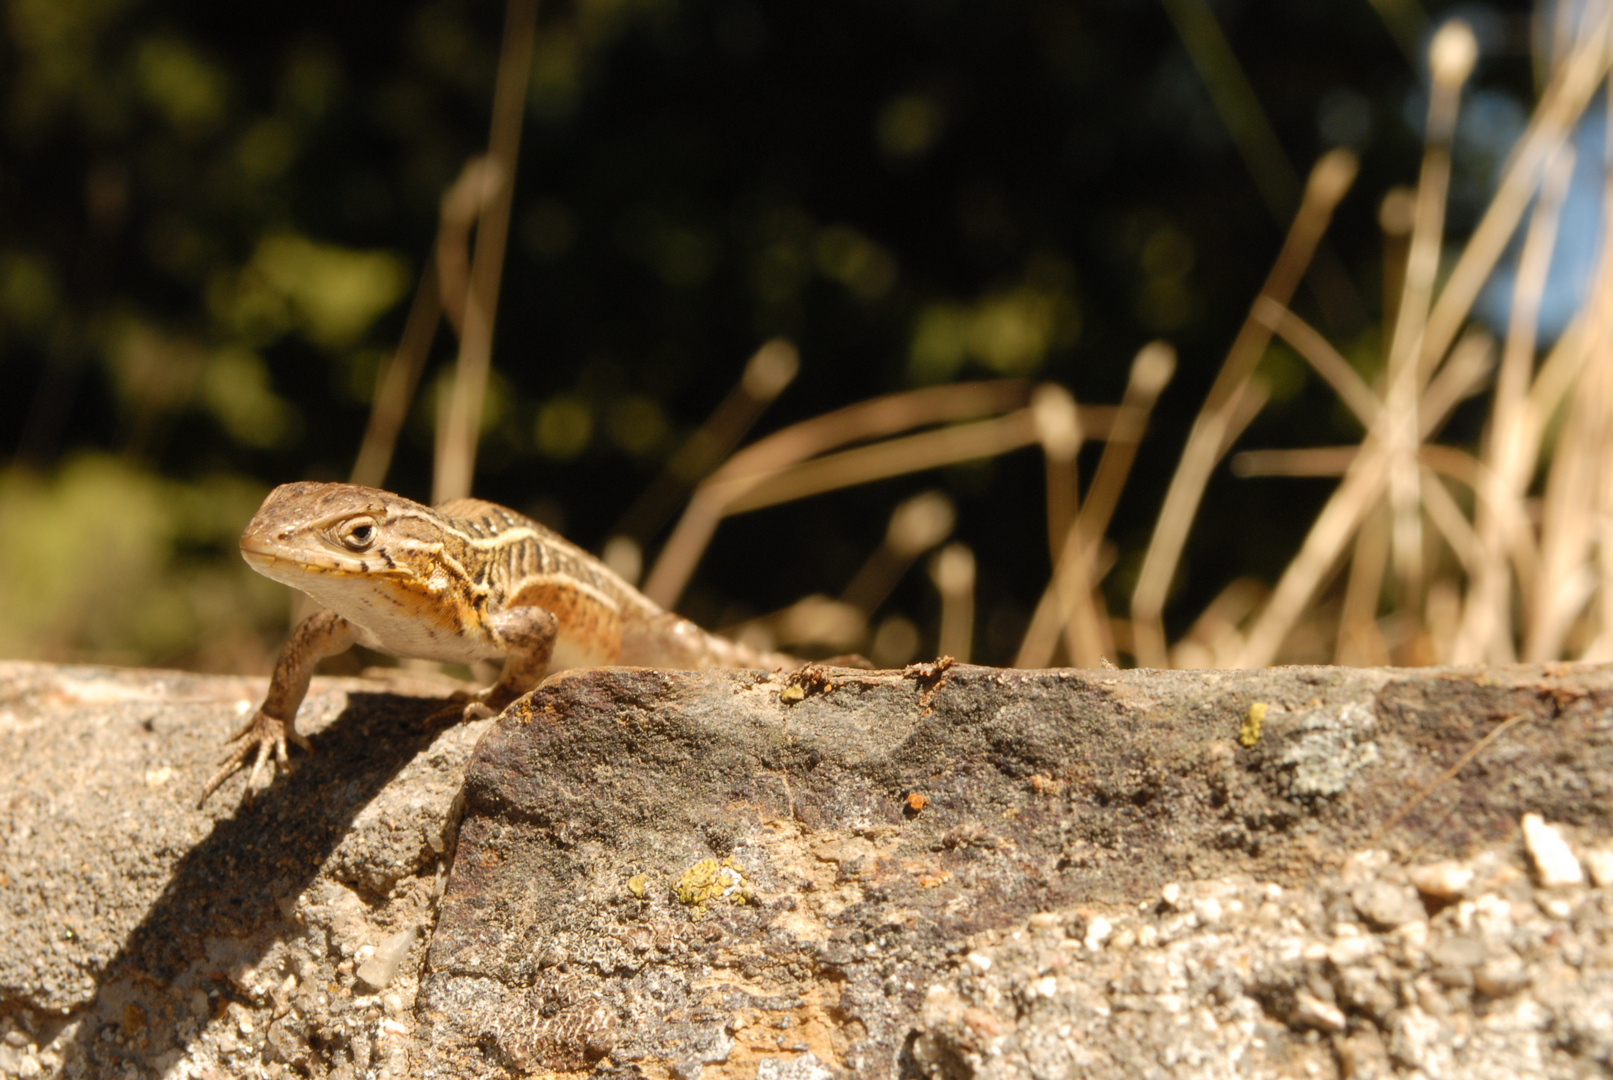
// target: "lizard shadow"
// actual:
[[252, 866]]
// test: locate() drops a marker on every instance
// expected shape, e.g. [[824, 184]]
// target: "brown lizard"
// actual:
[[466, 581]]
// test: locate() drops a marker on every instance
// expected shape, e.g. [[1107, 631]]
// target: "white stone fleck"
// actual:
[[1443, 880], [1554, 860], [1098, 931], [1312, 1012], [1600, 863]]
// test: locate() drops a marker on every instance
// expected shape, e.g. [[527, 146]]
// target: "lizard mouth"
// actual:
[[292, 564], [280, 562]]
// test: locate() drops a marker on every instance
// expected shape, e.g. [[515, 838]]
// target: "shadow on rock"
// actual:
[[246, 875]]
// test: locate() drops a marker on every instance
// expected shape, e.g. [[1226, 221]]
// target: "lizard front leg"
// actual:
[[527, 635], [321, 634]]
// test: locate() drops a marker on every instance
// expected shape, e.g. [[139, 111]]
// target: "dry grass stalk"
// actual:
[[1360, 643], [756, 466], [456, 457], [1513, 440], [1340, 517], [1058, 429], [953, 571], [1323, 358], [1577, 485], [1421, 393], [1214, 638], [1069, 601], [1451, 57], [865, 420], [768, 372], [1572, 86], [395, 384], [466, 199], [916, 525], [1206, 441], [892, 457]]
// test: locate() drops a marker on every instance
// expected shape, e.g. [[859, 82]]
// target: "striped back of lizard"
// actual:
[[427, 578]]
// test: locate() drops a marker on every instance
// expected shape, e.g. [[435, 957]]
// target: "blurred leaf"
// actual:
[[332, 294], [564, 426], [29, 297], [235, 389], [89, 567], [188, 90]]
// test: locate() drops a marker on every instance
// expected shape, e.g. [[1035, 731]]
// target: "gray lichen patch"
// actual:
[[1322, 748]]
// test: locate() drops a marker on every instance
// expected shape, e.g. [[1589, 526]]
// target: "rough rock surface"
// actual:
[[144, 937], [948, 872]]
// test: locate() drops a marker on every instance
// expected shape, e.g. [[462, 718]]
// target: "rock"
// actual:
[[1444, 880], [379, 969], [951, 872], [1554, 859], [1311, 1011], [1600, 863], [1387, 905], [136, 923]]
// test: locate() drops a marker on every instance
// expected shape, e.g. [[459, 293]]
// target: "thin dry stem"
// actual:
[[1151, 372], [395, 384], [770, 369], [953, 571], [1317, 556], [1399, 429], [457, 460], [1323, 358], [1577, 484], [1214, 636], [1305, 461], [865, 420], [1359, 642], [916, 525], [1328, 182], [1573, 84], [1460, 378], [465, 200], [1513, 443], [1069, 598], [893, 457]]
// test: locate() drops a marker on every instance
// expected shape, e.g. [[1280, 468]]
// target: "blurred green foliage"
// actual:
[[213, 217]]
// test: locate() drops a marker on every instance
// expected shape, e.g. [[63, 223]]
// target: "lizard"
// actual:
[[467, 580]]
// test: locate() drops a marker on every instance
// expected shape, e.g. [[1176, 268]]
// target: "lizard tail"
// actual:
[[670, 641]]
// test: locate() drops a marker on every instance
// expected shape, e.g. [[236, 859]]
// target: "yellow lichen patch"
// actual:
[[791, 694], [1249, 733], [638, 885], [709, 880]]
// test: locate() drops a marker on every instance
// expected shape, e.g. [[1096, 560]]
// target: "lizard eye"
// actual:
[[357, 534]]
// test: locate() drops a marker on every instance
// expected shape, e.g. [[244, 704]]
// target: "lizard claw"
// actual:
[[263, 734], [461, 707]]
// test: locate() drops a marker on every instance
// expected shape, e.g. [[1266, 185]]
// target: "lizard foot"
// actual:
[[264, 735], [461, 707]]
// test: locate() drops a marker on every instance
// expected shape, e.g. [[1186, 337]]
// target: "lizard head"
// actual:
[[304, 532]]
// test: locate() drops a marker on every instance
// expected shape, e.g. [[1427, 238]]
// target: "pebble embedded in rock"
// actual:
[[1600, 864], [380, 968], [1463, 952], [1312, 1012], [1387, 905], [1443, 880], [1554, 860]]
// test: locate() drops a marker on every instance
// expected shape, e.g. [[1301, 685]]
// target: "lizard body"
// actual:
[[465, 581]]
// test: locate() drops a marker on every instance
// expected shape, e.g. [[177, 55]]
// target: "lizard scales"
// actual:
[[465, 581]]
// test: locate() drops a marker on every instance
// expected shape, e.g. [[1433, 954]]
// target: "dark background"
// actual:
[[693, 179]]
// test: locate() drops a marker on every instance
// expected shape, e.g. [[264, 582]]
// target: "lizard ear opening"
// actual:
[[357, 533]]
